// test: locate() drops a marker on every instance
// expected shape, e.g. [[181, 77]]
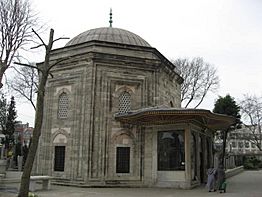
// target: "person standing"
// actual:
[[221, 177], [211, 179]]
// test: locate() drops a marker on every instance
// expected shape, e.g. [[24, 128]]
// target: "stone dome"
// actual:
[[109, 34]]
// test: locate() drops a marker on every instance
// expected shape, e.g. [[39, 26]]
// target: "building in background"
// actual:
[[241, 141], [23, 133]]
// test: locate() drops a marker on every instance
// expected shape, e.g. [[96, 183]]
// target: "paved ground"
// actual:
[[246, 184]]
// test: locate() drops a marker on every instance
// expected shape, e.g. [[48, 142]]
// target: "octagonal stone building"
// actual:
[[113, 116]]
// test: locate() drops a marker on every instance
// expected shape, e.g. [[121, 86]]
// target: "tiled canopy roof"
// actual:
[[163, 115], [109, 34]]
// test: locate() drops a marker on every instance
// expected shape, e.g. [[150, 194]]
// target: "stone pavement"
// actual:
[[246, 184]]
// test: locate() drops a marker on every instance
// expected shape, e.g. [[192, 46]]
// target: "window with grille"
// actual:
[[63, 104], [124, 102], [171, 150], [59, 163], [122, 159]]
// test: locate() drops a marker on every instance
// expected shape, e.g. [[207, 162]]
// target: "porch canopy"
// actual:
[[166, 115]]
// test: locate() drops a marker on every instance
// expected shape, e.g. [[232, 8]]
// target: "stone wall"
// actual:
[[93, 79]]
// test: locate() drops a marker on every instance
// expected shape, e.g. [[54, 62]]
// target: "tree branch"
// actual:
[[37, 46], [43, 43], [27, 65], [62, 38], [57, 62]]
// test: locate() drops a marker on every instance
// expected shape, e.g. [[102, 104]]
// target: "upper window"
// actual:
[[171, 151], [63, 103], [124, 102]]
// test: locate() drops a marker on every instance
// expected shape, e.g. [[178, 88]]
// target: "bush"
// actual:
[[252, 163], [30, 194], [248, 165]]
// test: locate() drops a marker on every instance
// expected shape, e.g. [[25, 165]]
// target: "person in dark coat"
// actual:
[[25, 153], [221, 177]]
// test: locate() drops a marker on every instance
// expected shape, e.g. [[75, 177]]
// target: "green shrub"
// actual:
[[260, 165], [252, 163], [30, 194], [248, 165]]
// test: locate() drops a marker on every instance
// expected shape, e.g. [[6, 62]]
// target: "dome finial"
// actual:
[[111, 20]]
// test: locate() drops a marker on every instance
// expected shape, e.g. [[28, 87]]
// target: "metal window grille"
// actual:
[[63, 103], [59, 163], [124, 102], [122, 159]]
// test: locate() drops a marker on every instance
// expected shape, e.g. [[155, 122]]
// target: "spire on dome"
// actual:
[[111, 20]]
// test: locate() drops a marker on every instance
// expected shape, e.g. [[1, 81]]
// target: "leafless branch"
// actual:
[[40, 45], [251, 109], [61, 38], [57, 62], [27, 65], [199, 79], [24, 83], [16, 20], [52, 76], [39, 37]]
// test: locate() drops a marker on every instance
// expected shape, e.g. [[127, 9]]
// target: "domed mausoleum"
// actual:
[[113, 116]]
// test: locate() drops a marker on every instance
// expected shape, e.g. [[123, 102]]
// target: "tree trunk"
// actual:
[[44, 68], [25, 180], [3, 68]]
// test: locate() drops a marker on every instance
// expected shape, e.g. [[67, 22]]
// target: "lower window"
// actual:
[[59, 163], [122, 159]]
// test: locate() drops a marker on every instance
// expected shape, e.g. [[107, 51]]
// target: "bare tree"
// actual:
[[16, 21], [199, 78], [44, 71], [251, 109], [25, 83]]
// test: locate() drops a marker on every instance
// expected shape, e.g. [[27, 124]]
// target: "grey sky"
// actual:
[[226, 33]]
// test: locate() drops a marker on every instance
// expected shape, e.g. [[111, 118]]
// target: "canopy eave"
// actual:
[[158, 116]]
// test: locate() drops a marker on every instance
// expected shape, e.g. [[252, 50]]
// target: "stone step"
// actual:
[[14, 174]]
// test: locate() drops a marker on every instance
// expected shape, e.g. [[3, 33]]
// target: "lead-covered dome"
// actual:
[[109, 34]]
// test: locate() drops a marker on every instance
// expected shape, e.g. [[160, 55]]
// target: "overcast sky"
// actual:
[[226, 33]]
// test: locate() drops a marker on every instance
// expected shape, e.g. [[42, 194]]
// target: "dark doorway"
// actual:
[[59, 163]]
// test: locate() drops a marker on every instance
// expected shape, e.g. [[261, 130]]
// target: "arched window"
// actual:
[[63, 104], [124, 102]]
